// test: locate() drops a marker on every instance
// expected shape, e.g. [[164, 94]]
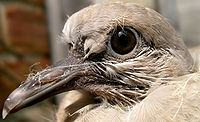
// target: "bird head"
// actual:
[[117, 51]]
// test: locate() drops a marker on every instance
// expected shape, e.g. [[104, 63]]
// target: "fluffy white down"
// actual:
[[177, 101]]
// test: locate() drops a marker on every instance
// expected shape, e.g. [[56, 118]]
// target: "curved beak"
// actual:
[[43, 84]]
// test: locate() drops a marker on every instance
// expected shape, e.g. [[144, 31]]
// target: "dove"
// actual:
[[125, 63]]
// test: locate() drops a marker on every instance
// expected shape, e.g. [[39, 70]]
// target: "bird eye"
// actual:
[[123, 41]]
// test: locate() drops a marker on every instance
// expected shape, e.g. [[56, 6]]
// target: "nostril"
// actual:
[[87, 50], [69, 46]]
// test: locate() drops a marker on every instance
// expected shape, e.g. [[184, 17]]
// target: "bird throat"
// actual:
[[115, 92]]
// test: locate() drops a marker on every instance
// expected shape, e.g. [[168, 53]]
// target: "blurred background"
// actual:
[[29, 41]]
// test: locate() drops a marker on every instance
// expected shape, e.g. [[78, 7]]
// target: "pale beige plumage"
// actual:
[[175, 101], [152, 80], [178, 101]]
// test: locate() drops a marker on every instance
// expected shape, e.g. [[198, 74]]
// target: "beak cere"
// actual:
[[48, 82]]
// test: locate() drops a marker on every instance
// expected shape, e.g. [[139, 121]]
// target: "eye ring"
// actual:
[[123, 40]]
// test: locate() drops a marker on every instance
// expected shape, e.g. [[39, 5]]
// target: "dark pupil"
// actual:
[[123, 41]]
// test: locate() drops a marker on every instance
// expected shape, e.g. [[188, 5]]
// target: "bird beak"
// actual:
[[43, 84]]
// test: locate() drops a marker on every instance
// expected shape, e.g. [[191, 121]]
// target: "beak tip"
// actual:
[[4, 113]]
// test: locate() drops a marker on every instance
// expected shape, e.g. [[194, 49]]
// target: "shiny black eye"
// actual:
[[123, 41]]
